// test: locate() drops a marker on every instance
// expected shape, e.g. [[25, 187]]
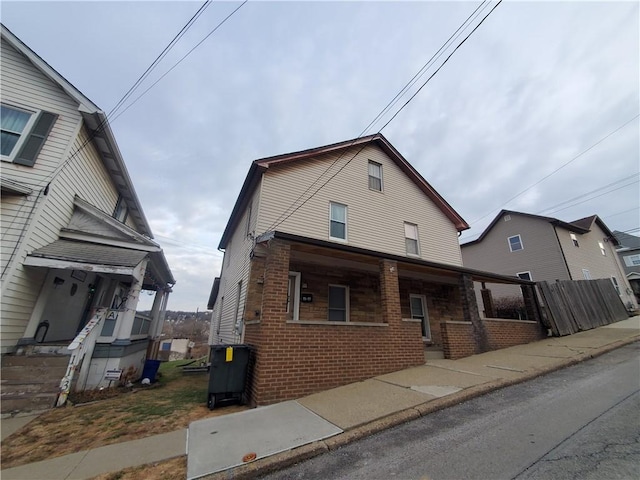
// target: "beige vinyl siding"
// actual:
[[235, 269], [375, 220], [588, 256], [85, 175]]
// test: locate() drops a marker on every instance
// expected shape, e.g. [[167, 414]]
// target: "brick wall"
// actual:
[[293, 359], [459, 341]]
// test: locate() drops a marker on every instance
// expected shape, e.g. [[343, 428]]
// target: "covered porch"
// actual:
[[322, 315]]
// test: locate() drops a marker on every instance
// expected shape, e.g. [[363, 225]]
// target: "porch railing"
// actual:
[[82, 345]]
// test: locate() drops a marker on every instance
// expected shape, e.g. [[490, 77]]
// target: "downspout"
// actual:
[[564, 259]]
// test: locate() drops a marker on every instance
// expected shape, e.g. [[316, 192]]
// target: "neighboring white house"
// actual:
[[77, 249], [537, 248]]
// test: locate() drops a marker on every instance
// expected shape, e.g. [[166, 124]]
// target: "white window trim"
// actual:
[[528, 273], [519, 240], [425, 311], [574, 240], [616, 285], [417, 239], [603, 251], [381, 176], [346, 223], [237, 327], [347, 302], [586, 274], [296, 296], [25, 132], [629, 259]]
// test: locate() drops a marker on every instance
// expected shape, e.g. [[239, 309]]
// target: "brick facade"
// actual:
[[294, 358]]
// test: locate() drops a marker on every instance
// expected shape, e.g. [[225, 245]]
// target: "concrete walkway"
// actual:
[[364, 408]]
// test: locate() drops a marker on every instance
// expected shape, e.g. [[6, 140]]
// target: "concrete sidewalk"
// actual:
[[365, 407]]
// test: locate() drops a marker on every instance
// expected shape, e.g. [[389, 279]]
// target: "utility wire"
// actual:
[[597, 196], [285, 215], [557, 169]]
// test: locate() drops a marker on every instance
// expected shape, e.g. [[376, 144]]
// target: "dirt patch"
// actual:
[[168, 470], [131, 414]]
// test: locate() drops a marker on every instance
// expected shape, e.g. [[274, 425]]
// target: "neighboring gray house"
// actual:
[[629, 253], [77, 249], [537, 248]]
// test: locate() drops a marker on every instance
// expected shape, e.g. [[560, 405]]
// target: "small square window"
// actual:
[[375, 176], [338, 303], [574, 240], [338, 221], [411, 238], [515, 243], [524, 275]]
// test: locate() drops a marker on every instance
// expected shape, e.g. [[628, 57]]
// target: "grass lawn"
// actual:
[[171, 404]]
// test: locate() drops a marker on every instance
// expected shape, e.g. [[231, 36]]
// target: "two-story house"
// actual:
[[538, 248], [629, 254], [77, 249], [340, 263]]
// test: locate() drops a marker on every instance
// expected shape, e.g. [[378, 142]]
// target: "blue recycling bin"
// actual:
[[150, 369]]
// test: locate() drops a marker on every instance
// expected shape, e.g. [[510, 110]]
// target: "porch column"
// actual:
[[390, 292], [158, 302], [126, 318], [530, 302], [471, 314], [487, 301]]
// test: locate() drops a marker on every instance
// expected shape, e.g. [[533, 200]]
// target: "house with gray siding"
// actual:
[[538, 248], [77, 250], [629, 254], [341, 262]]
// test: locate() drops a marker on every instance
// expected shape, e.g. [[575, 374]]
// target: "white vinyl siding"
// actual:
[[86, 176], [373, 218], [235, 272]]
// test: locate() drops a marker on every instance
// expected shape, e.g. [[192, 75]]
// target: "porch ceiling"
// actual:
[[346, 256]]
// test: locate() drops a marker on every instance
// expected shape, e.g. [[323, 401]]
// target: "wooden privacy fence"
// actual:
[[576, 305]]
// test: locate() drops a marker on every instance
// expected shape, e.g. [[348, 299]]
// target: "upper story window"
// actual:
[[524, 275], [121, 212], [586, 274], [602, 250], [574, 239], [411, 238], [337, 221], [23, 134], [515, 243], [375, 176], [632, 260]]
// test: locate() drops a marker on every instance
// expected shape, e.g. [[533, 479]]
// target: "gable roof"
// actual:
[[626, 240], [580, 226], [98, 126], [258, 167]]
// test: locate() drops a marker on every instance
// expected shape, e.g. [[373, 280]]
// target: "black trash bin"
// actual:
[[228, 373]]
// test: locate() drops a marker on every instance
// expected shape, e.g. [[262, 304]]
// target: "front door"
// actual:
[[419, 312]]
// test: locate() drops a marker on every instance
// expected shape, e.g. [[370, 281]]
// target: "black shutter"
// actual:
[[32, 146]]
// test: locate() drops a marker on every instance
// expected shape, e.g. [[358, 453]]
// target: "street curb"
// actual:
[[290, 457]]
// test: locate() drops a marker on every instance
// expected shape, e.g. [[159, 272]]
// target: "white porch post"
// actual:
[[126, 318], [162, 313]]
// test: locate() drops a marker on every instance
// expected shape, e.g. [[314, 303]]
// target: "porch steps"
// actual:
[[30, 382]]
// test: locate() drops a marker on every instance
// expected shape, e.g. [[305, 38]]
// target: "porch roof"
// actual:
[[432, 267], [77, 255]]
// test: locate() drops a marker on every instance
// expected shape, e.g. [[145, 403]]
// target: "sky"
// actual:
[[542, 97]]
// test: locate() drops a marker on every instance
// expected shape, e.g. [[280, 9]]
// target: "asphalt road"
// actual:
[[581, 423]]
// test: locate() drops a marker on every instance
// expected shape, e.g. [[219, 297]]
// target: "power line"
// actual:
[[283, 217], [597, 196], [558, 169]]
